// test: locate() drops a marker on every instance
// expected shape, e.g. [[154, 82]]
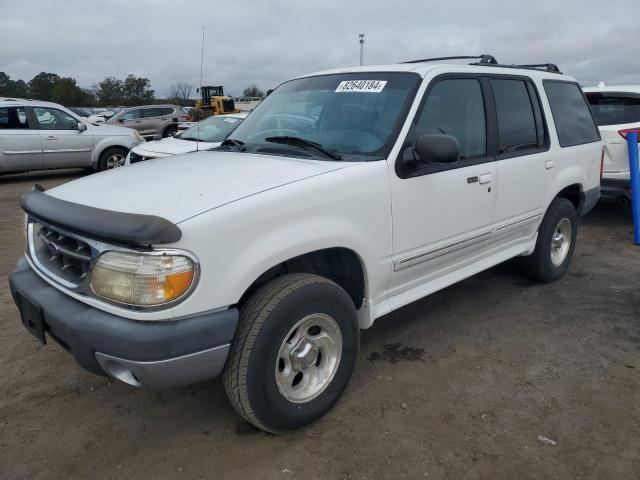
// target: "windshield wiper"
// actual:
[[232, 142], [303, 142]]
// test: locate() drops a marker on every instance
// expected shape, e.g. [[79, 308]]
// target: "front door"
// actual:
[[20, 146], [63, 144], [443, 213]]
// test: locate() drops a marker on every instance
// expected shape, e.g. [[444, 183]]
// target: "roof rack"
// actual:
[[484, 59], [547, 67], [490, 61]]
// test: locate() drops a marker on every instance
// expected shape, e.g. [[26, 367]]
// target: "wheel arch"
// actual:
[[339, 264], [101, 148], [575, 194]]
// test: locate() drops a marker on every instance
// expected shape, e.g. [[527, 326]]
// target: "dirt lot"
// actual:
[[458, 385]]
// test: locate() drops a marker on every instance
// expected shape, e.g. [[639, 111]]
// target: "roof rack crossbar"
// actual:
[[484, 59], [551, 67]]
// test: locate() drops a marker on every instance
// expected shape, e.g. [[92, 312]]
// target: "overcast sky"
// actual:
[[269, 41]]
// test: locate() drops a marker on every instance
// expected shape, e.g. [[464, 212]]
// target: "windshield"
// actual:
[[355, 115], [212, 129]]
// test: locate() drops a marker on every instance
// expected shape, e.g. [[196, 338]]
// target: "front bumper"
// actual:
[[141, 353]]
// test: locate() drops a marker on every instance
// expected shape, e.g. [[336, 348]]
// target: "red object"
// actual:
[[623, 133], [602, 165]]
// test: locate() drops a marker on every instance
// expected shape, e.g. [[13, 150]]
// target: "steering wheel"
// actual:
[[380, 133]]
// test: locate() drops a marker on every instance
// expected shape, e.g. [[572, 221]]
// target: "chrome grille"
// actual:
[[61, 255]]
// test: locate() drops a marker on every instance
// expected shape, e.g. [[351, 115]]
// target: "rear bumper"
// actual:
[[616, 187], [141, 353]]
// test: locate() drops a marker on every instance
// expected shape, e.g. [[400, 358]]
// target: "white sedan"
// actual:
[[209, 133]]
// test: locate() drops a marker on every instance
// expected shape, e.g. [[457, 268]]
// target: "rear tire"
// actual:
[[294, 352], [556, 242], [111, 158]]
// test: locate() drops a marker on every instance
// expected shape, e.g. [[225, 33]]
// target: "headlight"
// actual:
[[138, 136], [142, 279]]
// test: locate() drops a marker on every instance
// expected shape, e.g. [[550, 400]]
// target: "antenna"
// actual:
[[361, 48], [201, 63]]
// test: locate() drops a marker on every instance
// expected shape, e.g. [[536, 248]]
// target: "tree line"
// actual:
[[52, 87], [110, 92]]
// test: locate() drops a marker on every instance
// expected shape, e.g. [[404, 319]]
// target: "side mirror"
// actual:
[[121, 120], [81, 127], [437, 149]]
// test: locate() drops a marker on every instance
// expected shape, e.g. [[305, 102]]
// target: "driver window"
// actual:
[[456, 107], [54, 119]]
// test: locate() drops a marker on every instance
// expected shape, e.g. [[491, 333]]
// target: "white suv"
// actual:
[[617, 111], [343, 196]]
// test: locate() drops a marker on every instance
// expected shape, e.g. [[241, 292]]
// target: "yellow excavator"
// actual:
[[214, 102]]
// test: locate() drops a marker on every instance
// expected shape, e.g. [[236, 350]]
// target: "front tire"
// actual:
[[556, 242], [111, 158], [294, 352]]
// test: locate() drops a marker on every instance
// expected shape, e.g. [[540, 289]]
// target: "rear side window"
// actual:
[[516, 119], [456, 107], [571, 114], [13, 118], [614, 108], [157, 112]]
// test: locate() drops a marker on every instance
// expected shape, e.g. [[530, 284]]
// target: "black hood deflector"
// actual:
[[113, 227]]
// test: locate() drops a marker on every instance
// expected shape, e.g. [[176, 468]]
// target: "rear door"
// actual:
[[156, 119], [63, 144], [20, 145], [525, 164], [442, 213], [615, 112]]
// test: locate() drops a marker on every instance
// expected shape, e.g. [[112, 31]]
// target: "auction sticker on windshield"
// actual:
[[366, 86]]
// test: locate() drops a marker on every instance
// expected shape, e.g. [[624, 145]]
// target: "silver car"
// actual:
[[37, 135], [151, 120]]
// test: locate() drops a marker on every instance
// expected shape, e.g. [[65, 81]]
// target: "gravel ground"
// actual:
[[458, 385]]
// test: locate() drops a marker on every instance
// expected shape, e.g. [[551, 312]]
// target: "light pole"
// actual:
[[361, 49]]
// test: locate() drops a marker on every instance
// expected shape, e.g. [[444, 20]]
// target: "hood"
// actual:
[[172, 146], [180, 187], [110, 130]]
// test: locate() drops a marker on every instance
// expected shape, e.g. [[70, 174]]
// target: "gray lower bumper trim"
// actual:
[[172, 372]]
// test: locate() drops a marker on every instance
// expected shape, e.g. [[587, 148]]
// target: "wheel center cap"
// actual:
[[304, 355]]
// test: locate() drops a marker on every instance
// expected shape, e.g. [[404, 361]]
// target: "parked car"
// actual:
[[208, 134], [107, 113], [617, 111], [263, 258], [189, 111], [86, 114], [151, 120], [37, 135]]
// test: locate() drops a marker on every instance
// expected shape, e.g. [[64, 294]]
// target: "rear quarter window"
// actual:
[[571, 114]]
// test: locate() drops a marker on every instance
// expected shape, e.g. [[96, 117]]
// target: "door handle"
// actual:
[[50, 137], [485, 178], [548, 164]]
